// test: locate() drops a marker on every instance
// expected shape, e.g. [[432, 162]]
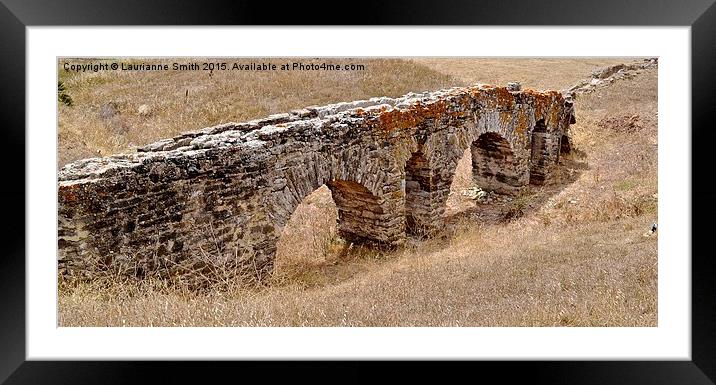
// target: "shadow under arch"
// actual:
[[495, 166], [418, 194], [358, 212]]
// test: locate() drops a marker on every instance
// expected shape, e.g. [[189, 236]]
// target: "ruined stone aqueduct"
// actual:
[[230, 189]]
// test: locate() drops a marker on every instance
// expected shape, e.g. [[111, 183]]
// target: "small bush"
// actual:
[[62, 95]]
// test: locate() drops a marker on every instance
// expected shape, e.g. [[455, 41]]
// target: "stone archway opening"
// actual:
[[433, 194], [460, 198], [493, 164], [309, 237], [329, 220]]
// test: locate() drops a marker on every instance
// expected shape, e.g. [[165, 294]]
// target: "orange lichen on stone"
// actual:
[[397, 119], [554, 115], [504, 98], [539, 108], [547, 106], [522, 125], [69, 193]]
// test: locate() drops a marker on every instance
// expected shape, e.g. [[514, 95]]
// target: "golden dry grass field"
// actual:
[[575, 254]]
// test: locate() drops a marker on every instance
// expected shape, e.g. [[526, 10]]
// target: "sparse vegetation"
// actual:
[[574, 253], [62, 95], [187, 100]]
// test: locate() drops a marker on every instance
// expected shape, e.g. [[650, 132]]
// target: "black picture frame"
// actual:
[[15, 15]]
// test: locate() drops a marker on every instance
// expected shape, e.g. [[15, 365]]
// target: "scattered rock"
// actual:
[[474, 193], [482, 196], [651, 232], [108, 111], [144, 110], [514, 86], [110, 114]]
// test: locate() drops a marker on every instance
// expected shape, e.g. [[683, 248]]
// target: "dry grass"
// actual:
[[577, 257], [535, 73], [224, 96], [503, 276]]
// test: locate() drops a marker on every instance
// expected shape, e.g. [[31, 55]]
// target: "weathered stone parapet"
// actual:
[[227, 191], [608, 75]]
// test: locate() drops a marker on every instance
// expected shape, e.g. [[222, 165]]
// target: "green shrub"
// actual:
[[62, 95]]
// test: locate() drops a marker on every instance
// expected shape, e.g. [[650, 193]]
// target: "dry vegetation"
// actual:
[[576, 255], [105, 118], [536, 73]]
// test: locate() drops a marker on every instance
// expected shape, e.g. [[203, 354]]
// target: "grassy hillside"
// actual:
[[574, 254], [105, 117]]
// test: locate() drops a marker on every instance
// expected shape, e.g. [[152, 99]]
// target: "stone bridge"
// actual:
[[228, 190]]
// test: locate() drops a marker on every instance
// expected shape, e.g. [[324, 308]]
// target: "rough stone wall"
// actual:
[[227, 191], [545, 152]]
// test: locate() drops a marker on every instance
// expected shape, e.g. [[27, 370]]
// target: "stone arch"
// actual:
[[342, 208], [428, 177], [495, 166], [369, 201], [244, 180], [363, 217]]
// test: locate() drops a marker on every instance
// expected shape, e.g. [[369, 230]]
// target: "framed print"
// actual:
[[202, 186]]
